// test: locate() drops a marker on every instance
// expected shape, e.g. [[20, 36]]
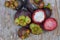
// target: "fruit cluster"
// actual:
[[33, 17], [13, 4]]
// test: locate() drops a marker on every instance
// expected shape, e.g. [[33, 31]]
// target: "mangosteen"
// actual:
[[38, 16], [50, 24], [37, 3], [13, 4], [24, 17], [23, 33], [48, 12], [31, 7], [36, 29]]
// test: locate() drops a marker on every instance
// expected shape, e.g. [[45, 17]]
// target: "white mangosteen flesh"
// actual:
[[39, 16]]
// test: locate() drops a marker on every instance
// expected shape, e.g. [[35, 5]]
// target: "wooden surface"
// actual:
[[8, 30]]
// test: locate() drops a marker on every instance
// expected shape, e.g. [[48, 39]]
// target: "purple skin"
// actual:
[[31, 7], [22, 31], [48, 12], [22, 12]]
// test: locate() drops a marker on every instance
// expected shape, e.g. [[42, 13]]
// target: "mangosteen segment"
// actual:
[[50, 24], [38, 16]]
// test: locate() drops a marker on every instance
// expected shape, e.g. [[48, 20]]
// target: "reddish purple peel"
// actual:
[[50, 24], [22, 12]]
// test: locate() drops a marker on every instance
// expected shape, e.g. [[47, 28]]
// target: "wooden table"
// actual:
[[8, 30]]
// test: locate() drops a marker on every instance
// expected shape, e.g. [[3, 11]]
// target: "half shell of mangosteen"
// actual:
[[50, 24], [23, 16]]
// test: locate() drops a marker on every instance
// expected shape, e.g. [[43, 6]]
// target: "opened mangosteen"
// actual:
[[23, 33], [22, 17], [38, 16], [36, 29], [50, 24]]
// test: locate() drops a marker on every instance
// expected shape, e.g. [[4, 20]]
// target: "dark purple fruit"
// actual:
[[31, 7], [48, 12], [22, 18], [22, 12], [23, 33]]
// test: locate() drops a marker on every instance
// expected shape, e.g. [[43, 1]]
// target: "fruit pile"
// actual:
[[14, 4], [33, 16]]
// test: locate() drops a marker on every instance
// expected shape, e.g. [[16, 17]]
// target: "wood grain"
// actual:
[[8, 30]]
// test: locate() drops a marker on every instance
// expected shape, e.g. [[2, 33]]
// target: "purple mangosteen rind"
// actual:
[[48, 12], [23, 33], [31, 7], [24, 13]]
